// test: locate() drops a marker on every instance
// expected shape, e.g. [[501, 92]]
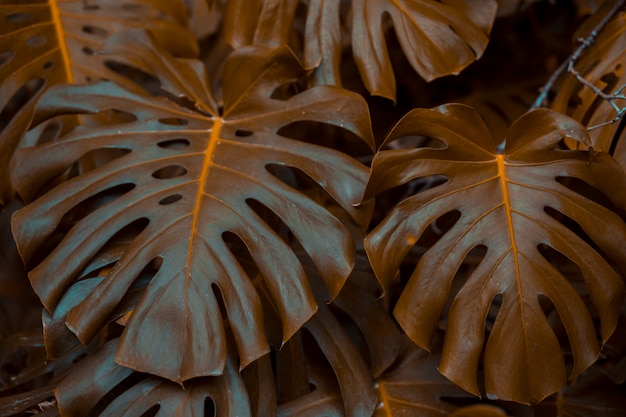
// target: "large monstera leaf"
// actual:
[[438, 37], [190, 176], [517, 205], [54, 42]]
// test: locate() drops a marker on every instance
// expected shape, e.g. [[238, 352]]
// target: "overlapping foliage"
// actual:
[[218, 217]]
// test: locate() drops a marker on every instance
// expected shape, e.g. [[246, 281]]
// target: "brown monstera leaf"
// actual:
[[54, 42], [531, 199], [85, 390], [181, 176], [438, 37]]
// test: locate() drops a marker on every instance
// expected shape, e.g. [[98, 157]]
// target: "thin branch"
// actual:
[[569, 62]]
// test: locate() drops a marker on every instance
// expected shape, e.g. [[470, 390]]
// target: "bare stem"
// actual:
[[568, 64]]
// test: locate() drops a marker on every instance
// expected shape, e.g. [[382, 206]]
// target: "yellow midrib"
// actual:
[[206, 165], [58, 27], [506, 200]]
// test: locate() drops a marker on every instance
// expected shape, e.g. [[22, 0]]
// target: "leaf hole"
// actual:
[[19, 17], [588, 191], [91, 7], [97, 158], [415, 142], [5, 57], [568, 222], [219, 297], [243, 133], [557, 326], [96, 31], [492, 313], [36, 41], [170, 171], [143, 79], [21, 97], [386, 200], [334, 136], [47, 65], [240, 251], [170, 199], [285, 91], [471, 261], [96, 201], [114, 116], [119, 389], [178, 143], [87, 51], [152, 411], [173, 121], [209, 407], [564, 265]]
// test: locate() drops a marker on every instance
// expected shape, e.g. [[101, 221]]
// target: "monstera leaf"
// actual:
[[438, 37], [185, 176], [48, 43], [84, 391], [532, 199]]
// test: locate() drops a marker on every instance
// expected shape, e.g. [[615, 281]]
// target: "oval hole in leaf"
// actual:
[[170, 199], [91, 204], [170, 171], [572, 225], [18, 17], [36, 41], [588, 191], [468, 266], [145, 80], [209, 407], [97, 158], [239, 249], [492, 315], [152, 411], [108, 397], [21, 97], [564, 265], [554, 319], [414, 142], [5, 57], [91, 7], [87, 50], [178, 143], [48, 65], [113, 116], [388, 199], [324, 134], [173, 121], [96, 31], [243, 133], [288, 90]]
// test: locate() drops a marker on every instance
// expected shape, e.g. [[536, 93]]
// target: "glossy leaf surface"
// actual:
[[54, 42], [189, 176], [514, 204], [438, 37], [83, 392]]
